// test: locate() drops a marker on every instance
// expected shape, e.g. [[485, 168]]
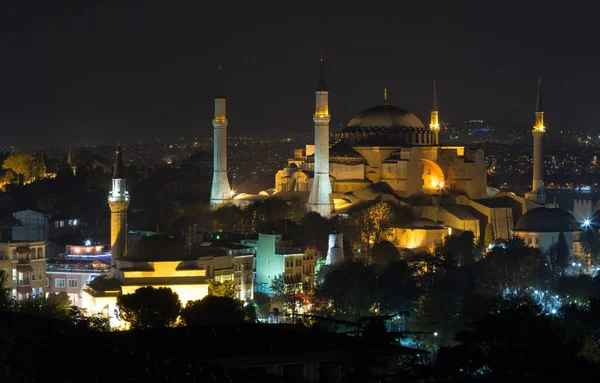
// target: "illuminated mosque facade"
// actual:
[[385, 149]]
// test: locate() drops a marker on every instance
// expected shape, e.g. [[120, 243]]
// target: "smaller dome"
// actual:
[[547, 220], [157, 248]]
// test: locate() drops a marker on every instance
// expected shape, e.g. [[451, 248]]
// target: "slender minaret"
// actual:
[[118, 201], [320, 191], [434, 123], [537, 193], [221, 192]]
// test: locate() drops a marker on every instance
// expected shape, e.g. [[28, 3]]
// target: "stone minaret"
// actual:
[[319, 199], [537, 193], [118, 201], [221, 192], [434, 123]]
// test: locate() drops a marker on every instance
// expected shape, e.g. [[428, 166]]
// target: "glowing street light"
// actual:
[[586, 222]]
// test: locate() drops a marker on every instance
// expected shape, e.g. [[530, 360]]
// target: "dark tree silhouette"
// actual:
[[149, 307], [212, 310]]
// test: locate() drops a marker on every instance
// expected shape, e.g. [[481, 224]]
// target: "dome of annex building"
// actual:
[[385, 125], [157, 248], [547, 220]]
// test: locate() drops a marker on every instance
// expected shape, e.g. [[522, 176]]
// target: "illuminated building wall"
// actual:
[[412, 238], [25, 266]]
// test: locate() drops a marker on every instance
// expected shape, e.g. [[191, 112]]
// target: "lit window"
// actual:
[[47, 283], [62, 223], [72, 283], [56, 224], [59, 282]]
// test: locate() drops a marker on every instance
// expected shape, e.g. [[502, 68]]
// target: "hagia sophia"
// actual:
[[384, 153], [387, 153]]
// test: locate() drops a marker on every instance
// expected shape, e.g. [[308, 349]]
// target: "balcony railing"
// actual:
[[23, 282], [52, 269]]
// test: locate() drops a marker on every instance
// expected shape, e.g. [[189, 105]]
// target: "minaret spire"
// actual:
[[537, 193], [118, 201], [434, 123], [434, 106], [118, 167], [220, 92], [322, 87], [539, 106], [319, 198], [385, 100], [221, 192]]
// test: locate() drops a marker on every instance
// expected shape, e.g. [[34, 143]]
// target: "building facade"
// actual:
[[24, 264], [275, 257], [71, 272]]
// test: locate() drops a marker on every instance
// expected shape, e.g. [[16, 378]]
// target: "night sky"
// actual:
[[71, 72]]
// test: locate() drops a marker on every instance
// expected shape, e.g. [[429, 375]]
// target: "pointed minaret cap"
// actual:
[[220, 92], [539, 106], [118, 169], [322, 87], [434, 107]]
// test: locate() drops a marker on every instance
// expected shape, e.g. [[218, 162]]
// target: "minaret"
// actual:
[[221, 192], [70, 162], [434, 123], [319, 198], [537, 193], [118, 201]]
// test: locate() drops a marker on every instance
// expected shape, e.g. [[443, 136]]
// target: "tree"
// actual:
[[5, 300], [348, 292], [383, 253], [55, 306], [489, 235], [558, 256], [58, 306], [21, 164], [289, 290], [213, 310], [221, 289], [149, 307], [369, 223], [591, 243], [397, 288], [506, 345], [457, 248]]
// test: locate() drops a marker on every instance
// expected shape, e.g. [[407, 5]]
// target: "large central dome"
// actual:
[[384, 125], [385, 116]]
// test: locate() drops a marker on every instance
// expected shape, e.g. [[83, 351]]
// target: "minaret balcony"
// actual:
[[118, 198]]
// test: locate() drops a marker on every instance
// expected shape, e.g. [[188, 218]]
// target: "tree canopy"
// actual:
[[21, 164], [221, 289], [149, 307], [213, 310]]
